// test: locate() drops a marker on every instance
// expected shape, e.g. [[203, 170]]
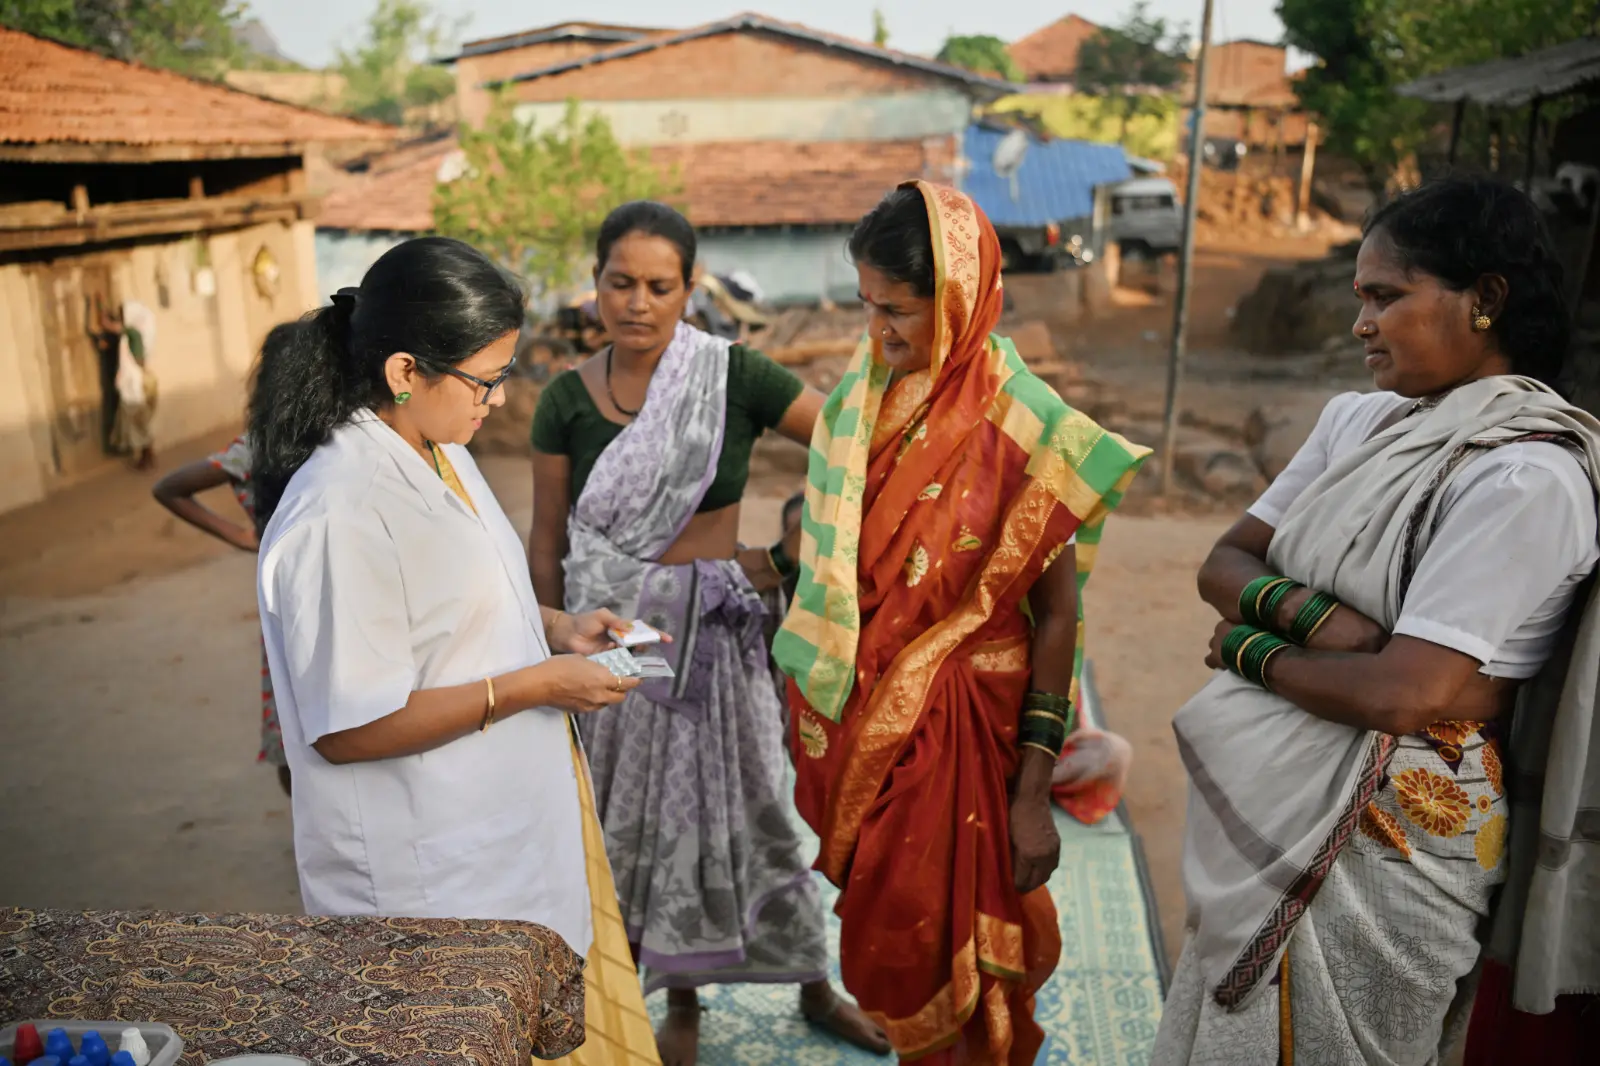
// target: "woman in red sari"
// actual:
[[953, 506]]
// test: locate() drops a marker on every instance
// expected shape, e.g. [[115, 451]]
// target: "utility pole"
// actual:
[[1180, 314]]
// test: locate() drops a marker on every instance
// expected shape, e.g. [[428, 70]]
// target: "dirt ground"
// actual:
[[129, 646]]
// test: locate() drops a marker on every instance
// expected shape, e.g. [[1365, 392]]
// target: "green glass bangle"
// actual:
[[1317, 609], [1247, 650], [1061, 707], [1043, 732], [781, 562], [1259, 601]]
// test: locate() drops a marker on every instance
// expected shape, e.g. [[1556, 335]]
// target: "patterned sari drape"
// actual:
[[932, 507]]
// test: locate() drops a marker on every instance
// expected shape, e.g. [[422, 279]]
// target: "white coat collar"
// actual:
[[412, 466]]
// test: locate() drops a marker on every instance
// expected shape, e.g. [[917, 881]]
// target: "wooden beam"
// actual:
[[1308, 168], [197, 187], [143, 153], [148, 218]]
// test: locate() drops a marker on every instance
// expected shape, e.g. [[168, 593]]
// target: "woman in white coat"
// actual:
[[420, 686]]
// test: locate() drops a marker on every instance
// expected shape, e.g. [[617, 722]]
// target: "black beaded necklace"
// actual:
[[611, 395]]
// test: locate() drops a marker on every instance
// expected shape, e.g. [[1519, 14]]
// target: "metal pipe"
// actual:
[[1180, 314]]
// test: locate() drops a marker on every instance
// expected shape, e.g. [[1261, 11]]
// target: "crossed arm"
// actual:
[[1353, 671]]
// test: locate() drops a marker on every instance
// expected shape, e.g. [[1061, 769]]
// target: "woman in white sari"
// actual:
[[1384, 606]]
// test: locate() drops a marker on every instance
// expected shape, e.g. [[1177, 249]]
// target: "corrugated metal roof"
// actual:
[[1513, 82], [761, 23], [1055, 182]]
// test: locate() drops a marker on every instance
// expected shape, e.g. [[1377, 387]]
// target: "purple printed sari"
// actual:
[[690, 774]]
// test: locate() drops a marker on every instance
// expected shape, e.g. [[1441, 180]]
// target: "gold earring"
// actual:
[[1480, 321]]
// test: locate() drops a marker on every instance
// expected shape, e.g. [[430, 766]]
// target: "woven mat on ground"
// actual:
[[1101, 1007], [337, 991]]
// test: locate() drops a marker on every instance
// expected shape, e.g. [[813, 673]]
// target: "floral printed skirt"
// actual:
[[1381, 967]]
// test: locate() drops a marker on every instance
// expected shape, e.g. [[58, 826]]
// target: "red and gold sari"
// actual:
[[932, 506]]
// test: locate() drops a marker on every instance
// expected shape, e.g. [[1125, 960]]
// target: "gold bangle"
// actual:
[[1053, 716], [1040, 747], [1266, 623], [488, 714]]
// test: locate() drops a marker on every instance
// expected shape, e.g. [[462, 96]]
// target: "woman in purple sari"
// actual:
[[640, 461]]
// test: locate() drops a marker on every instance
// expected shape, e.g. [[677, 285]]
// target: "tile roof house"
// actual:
[[119, 182], [783, 136], [1049, 55]]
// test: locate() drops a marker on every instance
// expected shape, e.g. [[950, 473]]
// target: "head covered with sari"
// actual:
[[934, 502]]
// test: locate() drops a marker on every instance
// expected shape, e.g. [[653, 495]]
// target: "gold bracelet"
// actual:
[[1321, 622], [1053, 716], [1054, 755], [488, 714]]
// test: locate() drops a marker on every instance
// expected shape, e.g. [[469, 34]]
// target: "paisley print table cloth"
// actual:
[[336, 991]]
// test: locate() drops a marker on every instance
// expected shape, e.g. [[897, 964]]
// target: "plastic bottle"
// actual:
[[79, 1060], [59, 1044], [46, 1060], [122, 1058], [93, 1047], [133, 1043], [27, 1046]]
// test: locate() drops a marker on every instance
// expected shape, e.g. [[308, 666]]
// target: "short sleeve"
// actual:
[[336, 590], [1498, 552], [766, 389], [552, 418], [1307, 465], [234, 461]]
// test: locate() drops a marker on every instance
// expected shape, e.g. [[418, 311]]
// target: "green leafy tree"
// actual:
[[1138, 64], [534, 199], [1367, 47], [387, 74], [195, 37], [981, 55], [880, 28]]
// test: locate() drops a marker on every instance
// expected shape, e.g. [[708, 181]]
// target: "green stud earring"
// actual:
[[402, 397]]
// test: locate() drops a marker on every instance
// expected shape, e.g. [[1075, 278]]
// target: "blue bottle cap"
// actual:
[[46, 1060], [92, 1037], [79, 1060], [122, 1058]]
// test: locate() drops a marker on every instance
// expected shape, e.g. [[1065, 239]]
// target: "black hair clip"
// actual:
[[345, 299]]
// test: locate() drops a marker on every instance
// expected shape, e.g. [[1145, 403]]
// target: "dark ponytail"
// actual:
[[437, 299]]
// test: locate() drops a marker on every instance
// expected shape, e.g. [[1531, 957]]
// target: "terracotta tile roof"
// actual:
[[394, 194], [749, 22], [774, 183], [51, 93], [748, 183], [1051, 53]]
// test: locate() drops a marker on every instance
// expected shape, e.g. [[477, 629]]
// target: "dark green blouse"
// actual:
[[760, 392]]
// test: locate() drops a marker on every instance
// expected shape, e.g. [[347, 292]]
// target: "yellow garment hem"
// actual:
[[619, 1030]]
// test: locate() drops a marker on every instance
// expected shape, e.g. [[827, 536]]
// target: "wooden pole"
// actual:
[[1455, 128], [1532, 149], [1308, 169], [1191, 207]]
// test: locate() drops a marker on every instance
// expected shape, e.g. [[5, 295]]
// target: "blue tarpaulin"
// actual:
[[1055, 183]]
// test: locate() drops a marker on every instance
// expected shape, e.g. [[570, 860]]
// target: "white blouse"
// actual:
[[1514, 536], [376, 581]]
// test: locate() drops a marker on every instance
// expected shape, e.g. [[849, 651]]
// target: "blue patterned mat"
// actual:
[[1100, 1008]]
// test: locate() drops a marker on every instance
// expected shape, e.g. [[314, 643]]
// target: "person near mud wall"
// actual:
[[641, 457], [1404, 686], [423, 692], [933, 643]]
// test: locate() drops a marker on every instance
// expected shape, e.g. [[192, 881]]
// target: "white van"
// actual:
[[1145, 216]]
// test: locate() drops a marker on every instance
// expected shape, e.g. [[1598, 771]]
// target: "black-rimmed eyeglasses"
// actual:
[[488, 387]]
